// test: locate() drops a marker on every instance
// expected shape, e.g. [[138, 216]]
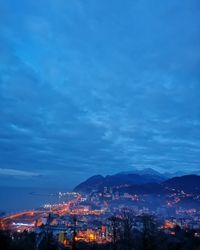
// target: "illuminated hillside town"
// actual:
[[89, 217]]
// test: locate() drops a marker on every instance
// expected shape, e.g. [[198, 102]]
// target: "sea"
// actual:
[[14, 199]]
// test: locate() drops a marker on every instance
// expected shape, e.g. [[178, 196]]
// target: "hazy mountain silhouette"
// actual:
[[138, 183]]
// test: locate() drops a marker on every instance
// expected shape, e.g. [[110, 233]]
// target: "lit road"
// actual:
[[33, 215]]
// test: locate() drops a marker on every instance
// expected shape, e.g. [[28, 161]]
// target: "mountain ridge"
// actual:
[[130, 182]]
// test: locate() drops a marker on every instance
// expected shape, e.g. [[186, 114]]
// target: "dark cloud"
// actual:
[[98, 87]]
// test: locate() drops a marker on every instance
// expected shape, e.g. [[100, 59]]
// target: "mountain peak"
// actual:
[[119, 179]]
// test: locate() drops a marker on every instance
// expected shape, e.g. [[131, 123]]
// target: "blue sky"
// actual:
[[91, 87]]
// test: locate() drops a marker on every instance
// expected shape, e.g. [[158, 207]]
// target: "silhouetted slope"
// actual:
[[141, 184], [187, 183], [91, 183], [122, 179]]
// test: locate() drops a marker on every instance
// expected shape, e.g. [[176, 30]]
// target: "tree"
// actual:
[[49, 243], [5, 240], [148, 232], [115, 229], [74, 233], [127, 223]]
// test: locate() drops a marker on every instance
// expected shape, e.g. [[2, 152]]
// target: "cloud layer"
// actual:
[[99, 86], [14, 172]]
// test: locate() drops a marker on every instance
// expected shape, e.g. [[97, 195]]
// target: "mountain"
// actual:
[[147, 171], [141, 184], [98, 182], [142, 171], [170, 175], [91, 183], [187, 183], [147, 189]]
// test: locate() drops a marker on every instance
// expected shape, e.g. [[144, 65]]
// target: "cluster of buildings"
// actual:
[[86, 217]]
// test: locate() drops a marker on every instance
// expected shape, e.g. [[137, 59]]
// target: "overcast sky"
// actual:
[[97, 87]]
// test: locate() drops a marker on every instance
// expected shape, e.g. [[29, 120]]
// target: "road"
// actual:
[[32, 215]]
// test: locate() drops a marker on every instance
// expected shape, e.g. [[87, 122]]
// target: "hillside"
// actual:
[[141, 184], [98, 182]]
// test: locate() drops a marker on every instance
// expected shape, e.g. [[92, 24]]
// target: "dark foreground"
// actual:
[[146, 240]]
